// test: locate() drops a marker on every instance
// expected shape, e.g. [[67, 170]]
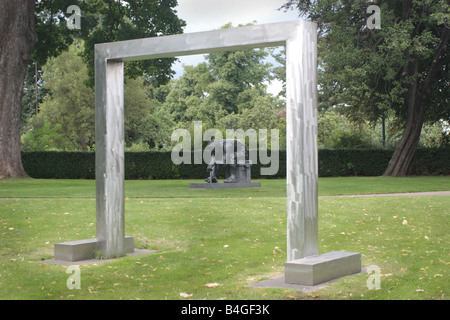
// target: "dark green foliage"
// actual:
[[431, 161], [399, 69], [59, 165], [149, 165], [353, 162], [158, 165], [107, 21]]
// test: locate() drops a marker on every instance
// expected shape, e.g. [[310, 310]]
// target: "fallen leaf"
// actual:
[[212, 285], [405, 222], [185, 295]]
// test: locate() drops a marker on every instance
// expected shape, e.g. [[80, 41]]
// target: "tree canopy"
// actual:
[[227, 90], [107, 21], [401, 67], [34, 31]]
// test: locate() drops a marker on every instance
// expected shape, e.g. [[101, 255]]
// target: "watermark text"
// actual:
[[257, 146]]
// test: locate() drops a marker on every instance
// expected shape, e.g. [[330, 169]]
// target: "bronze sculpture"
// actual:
[[233, 155]]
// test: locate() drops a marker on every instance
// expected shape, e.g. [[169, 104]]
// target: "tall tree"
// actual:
[[17, 39], [70, 104], [113, 20], [225, 85], [33, 92], [424, 71], [403, 66], [23, 22]]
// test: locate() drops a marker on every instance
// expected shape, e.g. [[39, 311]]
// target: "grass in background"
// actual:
[[39, 188], [210, 244]]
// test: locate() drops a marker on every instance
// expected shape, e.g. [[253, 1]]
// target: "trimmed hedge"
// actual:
[[335, 163], [158, 165], [59, 165]]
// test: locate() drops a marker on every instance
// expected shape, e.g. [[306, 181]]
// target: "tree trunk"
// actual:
[[17, 39], [403, 155]]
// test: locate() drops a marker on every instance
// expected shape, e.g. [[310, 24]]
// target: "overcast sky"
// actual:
[[206, 15]]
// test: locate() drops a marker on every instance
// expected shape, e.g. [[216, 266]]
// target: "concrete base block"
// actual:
[[75, 250], [220, 185], [129, 244], [84, 249], [317, 269]]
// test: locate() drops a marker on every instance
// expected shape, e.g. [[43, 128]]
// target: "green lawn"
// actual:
[[36, 188], [228, 238]]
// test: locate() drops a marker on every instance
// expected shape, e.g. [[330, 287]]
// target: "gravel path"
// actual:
[[412, 194]]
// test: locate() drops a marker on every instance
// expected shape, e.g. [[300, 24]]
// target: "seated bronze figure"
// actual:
[[233, 155]]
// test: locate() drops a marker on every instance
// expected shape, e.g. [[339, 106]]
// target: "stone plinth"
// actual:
[[84, 249], [220, 185], [321, 268]]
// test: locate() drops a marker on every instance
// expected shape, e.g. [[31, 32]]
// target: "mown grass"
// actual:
[[37, 188], [227, 238]]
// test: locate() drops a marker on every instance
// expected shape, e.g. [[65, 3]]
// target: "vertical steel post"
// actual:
[[109, 157], [301, 142]]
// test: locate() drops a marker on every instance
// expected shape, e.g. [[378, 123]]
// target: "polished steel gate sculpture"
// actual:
[[304, 264]]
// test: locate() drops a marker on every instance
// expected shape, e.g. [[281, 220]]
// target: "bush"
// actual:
[[158, 165]]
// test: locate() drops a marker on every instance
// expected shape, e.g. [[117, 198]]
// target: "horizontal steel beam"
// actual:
[[249, 37]]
